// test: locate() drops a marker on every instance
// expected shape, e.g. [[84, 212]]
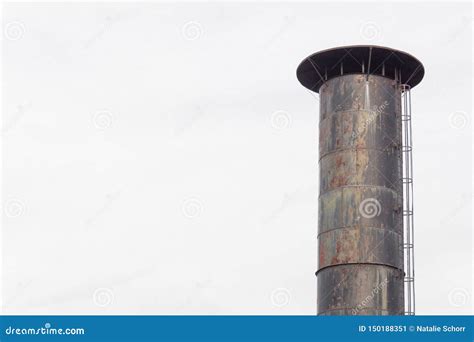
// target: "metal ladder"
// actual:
[[407, 183]]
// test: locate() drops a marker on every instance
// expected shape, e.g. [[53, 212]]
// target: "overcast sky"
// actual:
[[162, 158]]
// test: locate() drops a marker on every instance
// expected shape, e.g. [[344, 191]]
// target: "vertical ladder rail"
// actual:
[[407, 182]]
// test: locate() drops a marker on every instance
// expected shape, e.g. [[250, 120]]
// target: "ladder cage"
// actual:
[[407, 185]]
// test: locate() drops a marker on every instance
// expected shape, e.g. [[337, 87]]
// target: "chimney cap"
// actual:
[[315, 69]]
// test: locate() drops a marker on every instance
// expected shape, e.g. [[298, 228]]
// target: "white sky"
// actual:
[[162, 158]]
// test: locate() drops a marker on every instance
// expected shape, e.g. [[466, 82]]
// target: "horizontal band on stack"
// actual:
[[345, 290]]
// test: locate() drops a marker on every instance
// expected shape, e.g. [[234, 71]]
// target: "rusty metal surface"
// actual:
[[361, 312], [340, 208], [339, 131], [360, 234], [355, 167], [355, 94], [360, 245], [360, 289]]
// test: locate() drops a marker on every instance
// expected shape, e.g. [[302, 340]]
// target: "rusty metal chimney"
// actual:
[[365, 228]]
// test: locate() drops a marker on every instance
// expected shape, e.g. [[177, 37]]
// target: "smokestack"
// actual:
[[365, 225]]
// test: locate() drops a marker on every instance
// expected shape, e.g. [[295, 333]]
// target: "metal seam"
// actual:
[[359, 263], [365, 308], [353, 110], [356, 227], [351, 149], [358, 186]]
